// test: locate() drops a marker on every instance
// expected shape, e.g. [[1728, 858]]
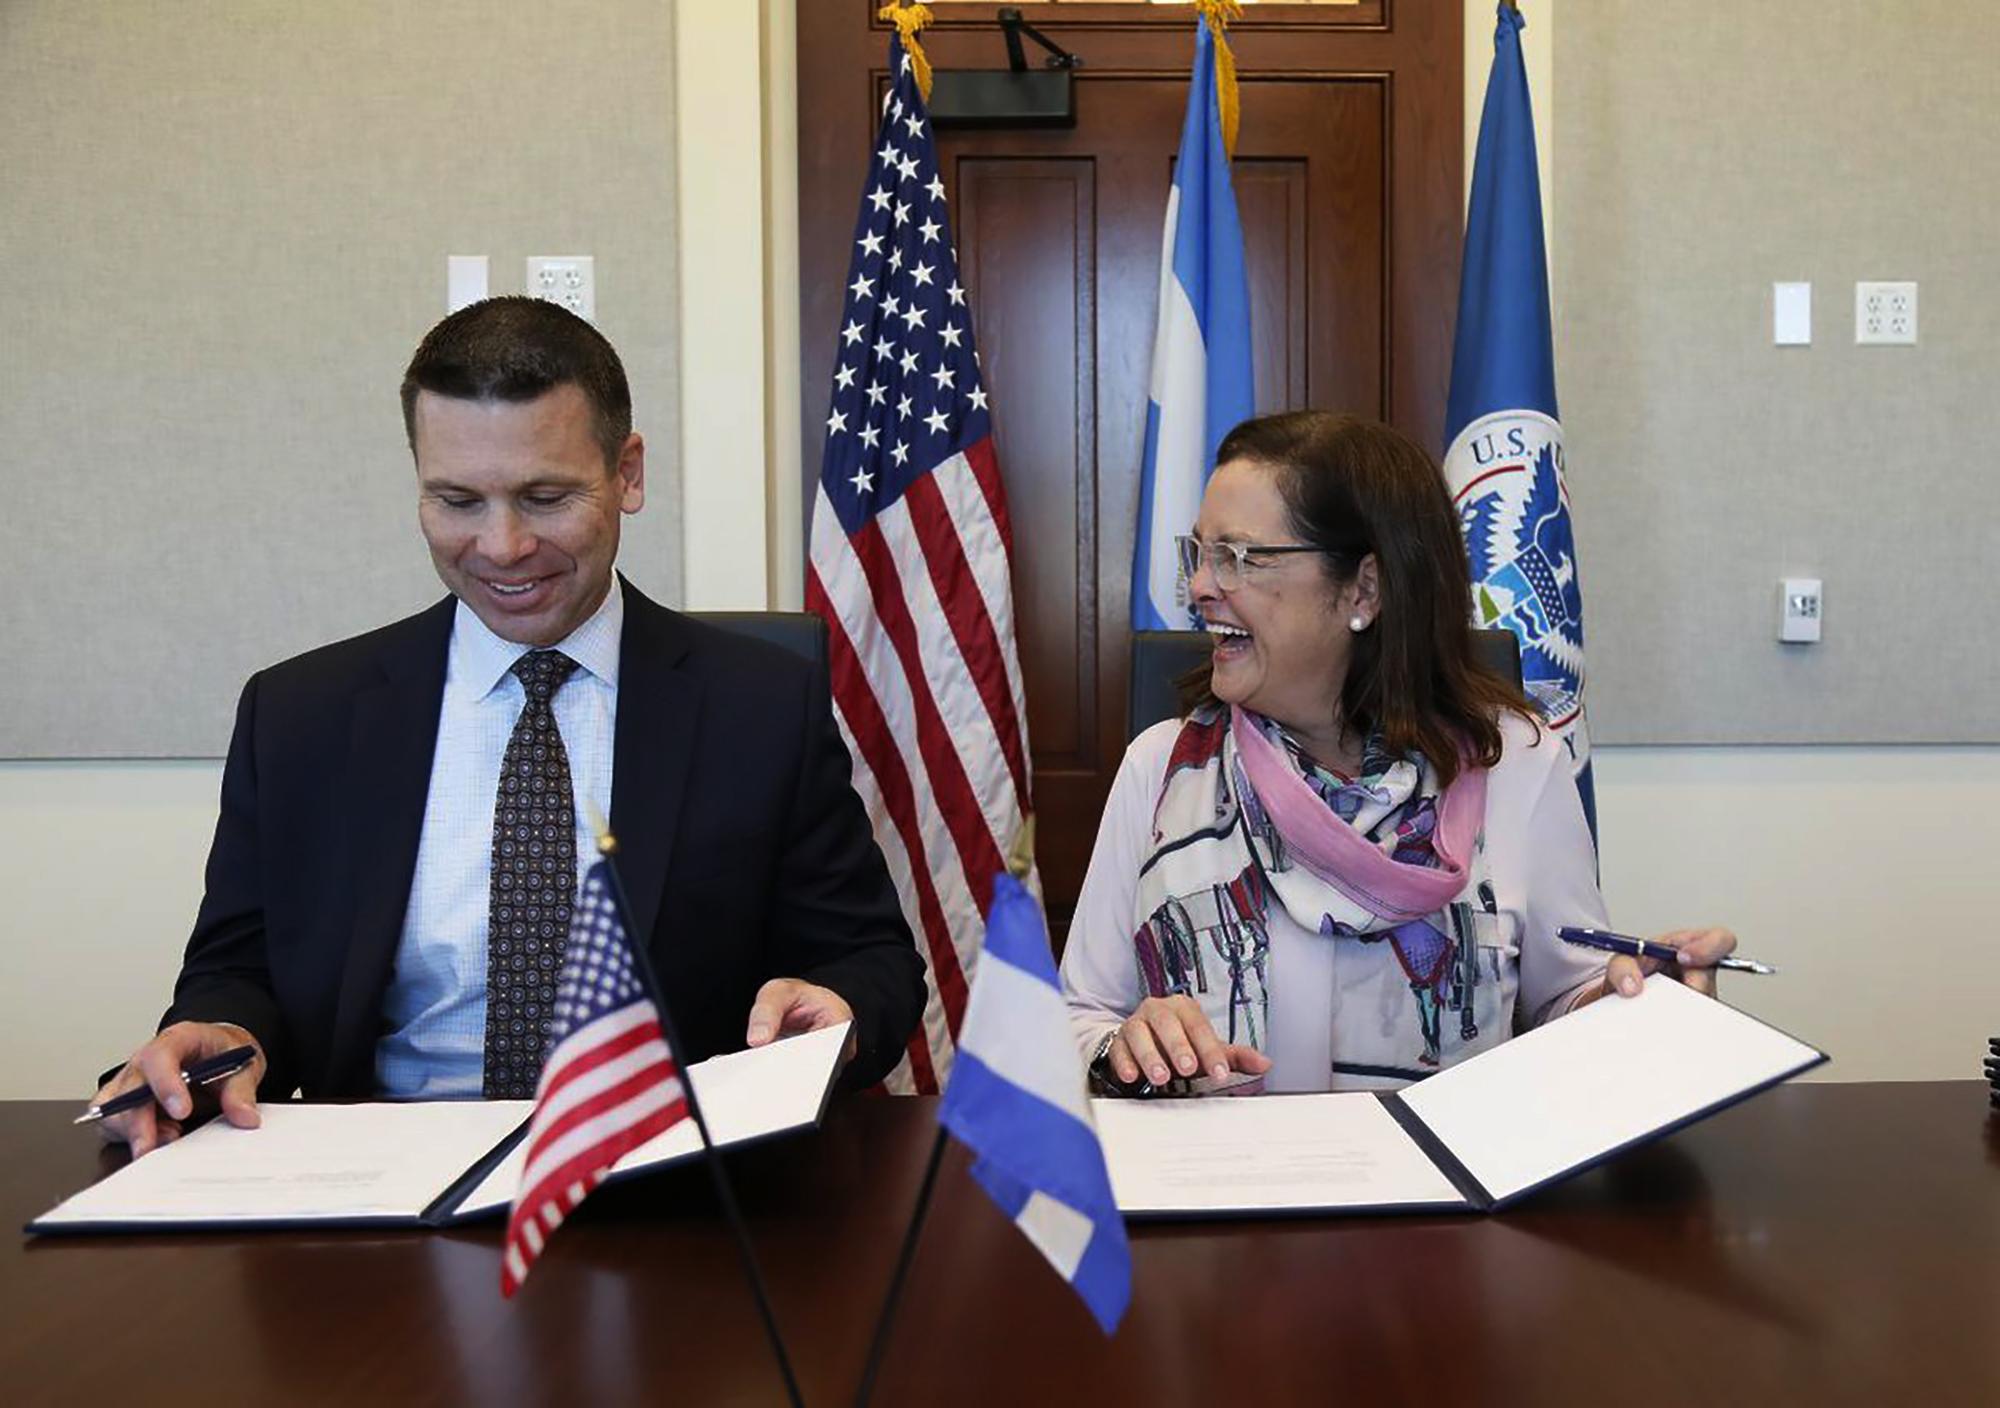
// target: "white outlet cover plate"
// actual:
[[1885, 313], [568, 279], [1800, 608]]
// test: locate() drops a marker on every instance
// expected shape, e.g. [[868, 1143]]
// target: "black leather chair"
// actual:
[[800, 632], [1159, 658]]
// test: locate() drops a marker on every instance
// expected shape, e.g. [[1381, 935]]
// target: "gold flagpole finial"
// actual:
[[909, 20], [1021, 855], [1219, 13], [607, 844]]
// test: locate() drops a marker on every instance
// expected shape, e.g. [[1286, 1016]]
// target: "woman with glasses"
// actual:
[[1346, 865]]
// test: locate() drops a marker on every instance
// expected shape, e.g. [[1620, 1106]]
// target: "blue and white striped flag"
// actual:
[[1016, 1100], [1505, 461], [1201, 348]]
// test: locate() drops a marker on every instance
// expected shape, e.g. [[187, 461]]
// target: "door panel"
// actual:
[[1026, 233]]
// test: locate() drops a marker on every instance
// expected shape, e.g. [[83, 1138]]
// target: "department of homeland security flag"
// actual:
[[1201, 384], [911, 569], [610, 1083], [1505, 458], [1016, 1101]]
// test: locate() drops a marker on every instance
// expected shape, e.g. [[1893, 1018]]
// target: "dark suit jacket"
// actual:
[[744, 850]]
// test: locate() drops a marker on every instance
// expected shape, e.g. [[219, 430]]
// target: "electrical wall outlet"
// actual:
[[1885, 313], [568, 279], [1799, 609]]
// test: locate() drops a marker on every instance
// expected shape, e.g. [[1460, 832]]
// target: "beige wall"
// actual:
[[1707, 151], [226, 224], [1861, 870]]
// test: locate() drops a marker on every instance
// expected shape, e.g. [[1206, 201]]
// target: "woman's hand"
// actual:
[[1170, 1036], [1699, 950]]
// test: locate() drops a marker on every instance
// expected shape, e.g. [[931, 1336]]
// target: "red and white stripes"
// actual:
[[927, 686], [606, 1089]]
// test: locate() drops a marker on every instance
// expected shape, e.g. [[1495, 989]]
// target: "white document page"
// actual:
[[1543, 1104], [304, 1163], [744, 1095], [1263, 1153]]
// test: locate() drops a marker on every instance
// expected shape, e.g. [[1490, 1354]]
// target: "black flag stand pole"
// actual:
[[1020, 863], [607, 847], [880, 1343]]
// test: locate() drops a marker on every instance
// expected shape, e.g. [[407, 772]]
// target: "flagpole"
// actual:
[[607, 847], [879, 1344], [1020, 864]]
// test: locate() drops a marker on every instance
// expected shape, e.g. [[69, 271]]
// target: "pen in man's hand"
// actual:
[[1632, 947], [206, 1071]]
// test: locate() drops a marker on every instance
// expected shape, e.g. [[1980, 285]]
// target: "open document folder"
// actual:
[[1476, 1136], [426, 1163]]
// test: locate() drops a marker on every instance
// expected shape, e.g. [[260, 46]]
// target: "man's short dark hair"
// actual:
[[514, 348]]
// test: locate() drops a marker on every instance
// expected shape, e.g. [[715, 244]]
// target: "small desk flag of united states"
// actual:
[[911, 570], [610, 1083], [1016, 1100]]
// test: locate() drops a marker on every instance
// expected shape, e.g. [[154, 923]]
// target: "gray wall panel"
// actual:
[[1702, 154], [226, 227]]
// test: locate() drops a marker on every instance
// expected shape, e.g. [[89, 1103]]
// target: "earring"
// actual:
[[1357, 624]]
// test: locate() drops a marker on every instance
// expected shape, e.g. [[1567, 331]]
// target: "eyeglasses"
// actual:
[[1230, 562]]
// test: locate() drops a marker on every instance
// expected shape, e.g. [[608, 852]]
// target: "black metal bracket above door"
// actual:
[[1016, 96]]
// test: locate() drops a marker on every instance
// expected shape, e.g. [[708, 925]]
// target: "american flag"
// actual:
[[610, 1083], [911, 568]]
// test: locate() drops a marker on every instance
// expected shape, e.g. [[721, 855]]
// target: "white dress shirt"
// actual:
[[434, 1015]]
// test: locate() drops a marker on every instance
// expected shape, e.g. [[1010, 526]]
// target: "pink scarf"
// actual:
[[1341, 856]]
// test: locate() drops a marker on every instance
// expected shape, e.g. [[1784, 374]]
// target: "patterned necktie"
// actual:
[[533, 884]]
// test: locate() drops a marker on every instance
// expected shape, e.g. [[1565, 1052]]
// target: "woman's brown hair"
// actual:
[[1354, 487]]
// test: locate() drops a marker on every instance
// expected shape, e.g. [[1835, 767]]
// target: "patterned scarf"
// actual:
[[1245, 817]]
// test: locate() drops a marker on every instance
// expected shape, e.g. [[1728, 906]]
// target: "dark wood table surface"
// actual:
[[1820, 1244]]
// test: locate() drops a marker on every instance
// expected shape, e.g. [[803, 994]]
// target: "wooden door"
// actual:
[[1349, 181]]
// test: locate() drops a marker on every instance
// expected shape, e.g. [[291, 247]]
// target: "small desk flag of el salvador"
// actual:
[[1016, 1100]]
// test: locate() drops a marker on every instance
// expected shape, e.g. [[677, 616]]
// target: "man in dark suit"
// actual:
[[403, 819]]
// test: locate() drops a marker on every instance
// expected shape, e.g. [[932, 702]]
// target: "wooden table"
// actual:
[[1821, 1244]]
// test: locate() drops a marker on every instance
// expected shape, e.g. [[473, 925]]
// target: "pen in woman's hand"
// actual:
[[1608, 942]]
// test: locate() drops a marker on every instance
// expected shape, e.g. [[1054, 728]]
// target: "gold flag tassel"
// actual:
[[909, 19], [1219, 13]]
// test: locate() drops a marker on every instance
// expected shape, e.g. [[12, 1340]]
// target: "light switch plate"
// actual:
[[464, 280], [1791, 314]]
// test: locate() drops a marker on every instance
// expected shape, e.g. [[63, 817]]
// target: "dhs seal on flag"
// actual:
[[1505, 471]]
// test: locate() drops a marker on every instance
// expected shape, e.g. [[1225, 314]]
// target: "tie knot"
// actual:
[[542, 672]]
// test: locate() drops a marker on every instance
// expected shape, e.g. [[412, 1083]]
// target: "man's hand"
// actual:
[[1171, 1036], [788, 1006], [158, 1064]]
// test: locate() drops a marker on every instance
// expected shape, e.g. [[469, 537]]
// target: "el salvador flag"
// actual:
[[1505, 461], [1016, 1100], [1201, 349]]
